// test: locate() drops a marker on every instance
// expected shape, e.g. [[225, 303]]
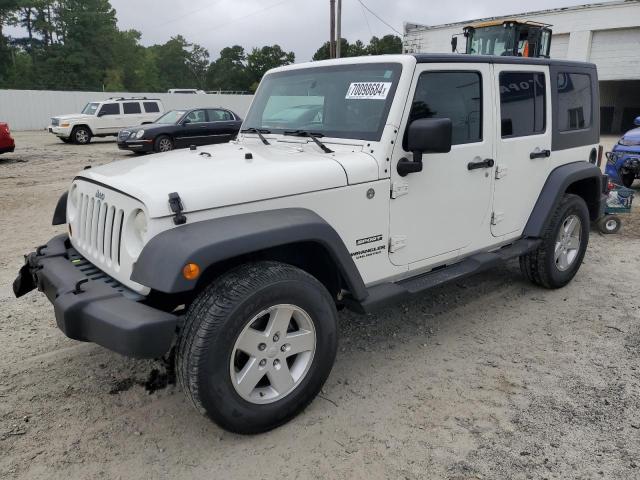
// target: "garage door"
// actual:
[[559, 45], [617, 53]]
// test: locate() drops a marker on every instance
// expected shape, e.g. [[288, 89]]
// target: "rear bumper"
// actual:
[[89, 308], [7, 149]]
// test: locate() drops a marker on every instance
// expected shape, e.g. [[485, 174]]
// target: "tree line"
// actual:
[[77, 45]]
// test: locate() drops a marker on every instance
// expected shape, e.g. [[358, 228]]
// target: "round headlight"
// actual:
[[140, 224], [140, 134]]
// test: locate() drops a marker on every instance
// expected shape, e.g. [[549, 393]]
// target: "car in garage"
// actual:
[[623, 162], [105, 118], [7, 144], [180, 129]]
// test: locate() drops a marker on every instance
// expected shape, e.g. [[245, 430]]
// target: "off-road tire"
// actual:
[[81, 135], [627, 179], [539, 266], [157, 144], [607, 226], [218, 316]]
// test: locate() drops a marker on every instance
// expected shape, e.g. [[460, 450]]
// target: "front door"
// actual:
[[194, 129], [523, 145], [439, 211]]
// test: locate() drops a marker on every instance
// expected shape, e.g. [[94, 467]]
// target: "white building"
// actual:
[[607, 34]]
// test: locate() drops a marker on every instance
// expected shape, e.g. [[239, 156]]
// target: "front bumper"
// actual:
[[92, 307], [136, 145], [64, 132]]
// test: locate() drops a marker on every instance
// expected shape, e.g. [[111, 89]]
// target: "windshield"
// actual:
[[90, 108], [171, 117], [491, 41], [345, 101]]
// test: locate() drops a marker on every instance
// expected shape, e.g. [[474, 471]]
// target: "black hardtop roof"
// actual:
[[465, 58]]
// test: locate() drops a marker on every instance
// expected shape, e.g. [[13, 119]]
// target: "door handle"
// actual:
[[486, 163], [540, 154]]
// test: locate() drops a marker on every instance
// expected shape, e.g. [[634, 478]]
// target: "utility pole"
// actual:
[[332, 27], [339, 29]]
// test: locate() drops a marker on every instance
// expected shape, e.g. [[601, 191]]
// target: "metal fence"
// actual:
[[33, 109]]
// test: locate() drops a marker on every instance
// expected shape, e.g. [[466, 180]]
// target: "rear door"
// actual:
[[151, 111], [222, 126], [132, 114], [523, 145]]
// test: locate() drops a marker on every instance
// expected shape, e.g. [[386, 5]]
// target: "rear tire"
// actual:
[[81, 135], [163, 144], [267, 324], [627, 179], [556, 261]]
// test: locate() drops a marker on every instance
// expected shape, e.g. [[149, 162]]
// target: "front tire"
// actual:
[[81, 135], [257, 346], [556, 261], [627, 179], [163, 144]]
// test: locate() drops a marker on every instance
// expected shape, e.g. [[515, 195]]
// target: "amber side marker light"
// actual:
[[191, 271]]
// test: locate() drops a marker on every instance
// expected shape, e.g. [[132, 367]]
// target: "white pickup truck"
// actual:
[[354, 183], [105, 118]]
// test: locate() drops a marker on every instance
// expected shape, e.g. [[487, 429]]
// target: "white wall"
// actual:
[[33, 109]]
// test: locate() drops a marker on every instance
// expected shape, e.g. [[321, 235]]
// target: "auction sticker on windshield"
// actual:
[[368, 91]]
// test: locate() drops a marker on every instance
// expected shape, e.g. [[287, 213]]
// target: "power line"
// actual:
[[378, 17], [188, 14], [233, 20]]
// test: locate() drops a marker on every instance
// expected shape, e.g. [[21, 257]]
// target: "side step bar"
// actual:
[[387, 293]]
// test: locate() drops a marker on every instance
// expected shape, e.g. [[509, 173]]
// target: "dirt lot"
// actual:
[[487, 378]]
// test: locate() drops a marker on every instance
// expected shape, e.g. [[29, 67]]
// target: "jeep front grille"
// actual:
[[55, 122], [100, 229]]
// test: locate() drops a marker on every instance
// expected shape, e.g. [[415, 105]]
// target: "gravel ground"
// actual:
[[489, 377]]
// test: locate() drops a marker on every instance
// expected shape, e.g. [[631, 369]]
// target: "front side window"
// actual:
[[574, 101], [522, 103], [131, 108], [197, 116], [453, 95], [171, 117], [90, 108], [110, 109], [345, 101]]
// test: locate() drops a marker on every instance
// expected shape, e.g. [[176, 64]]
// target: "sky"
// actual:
[[301, 26]]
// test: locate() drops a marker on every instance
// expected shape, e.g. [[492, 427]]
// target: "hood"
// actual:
[[73, 116], [220, 175]]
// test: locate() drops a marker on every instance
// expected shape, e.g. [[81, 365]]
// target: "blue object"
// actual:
[[623, 162]]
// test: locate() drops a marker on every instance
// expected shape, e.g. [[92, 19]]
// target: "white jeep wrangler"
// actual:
[[105, 119], [355, 183]]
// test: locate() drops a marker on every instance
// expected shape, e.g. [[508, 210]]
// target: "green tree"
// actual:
[[385, 45], [260, 60], [181, 64], [229, 71]]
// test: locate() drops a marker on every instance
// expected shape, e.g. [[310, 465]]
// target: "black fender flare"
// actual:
[[209, 242], [60, 213], [559, 182]]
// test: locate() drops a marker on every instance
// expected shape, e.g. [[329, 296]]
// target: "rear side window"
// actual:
[[110, 109], [131, 108], [574, 101], [523, 105], [219, 115], [453, 95], [151, 107]]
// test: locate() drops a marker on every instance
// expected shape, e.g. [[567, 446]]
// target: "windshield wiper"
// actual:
[[258, 132], [312, 136]]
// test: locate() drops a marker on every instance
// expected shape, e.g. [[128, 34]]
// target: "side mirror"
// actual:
[[100, 114], [425, 135], [636, 122], [186, 122], [454, 44]]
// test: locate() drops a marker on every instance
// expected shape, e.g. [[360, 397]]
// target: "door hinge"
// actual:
[[397, 242], [501, 171], [399, 189], [497, 217]]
